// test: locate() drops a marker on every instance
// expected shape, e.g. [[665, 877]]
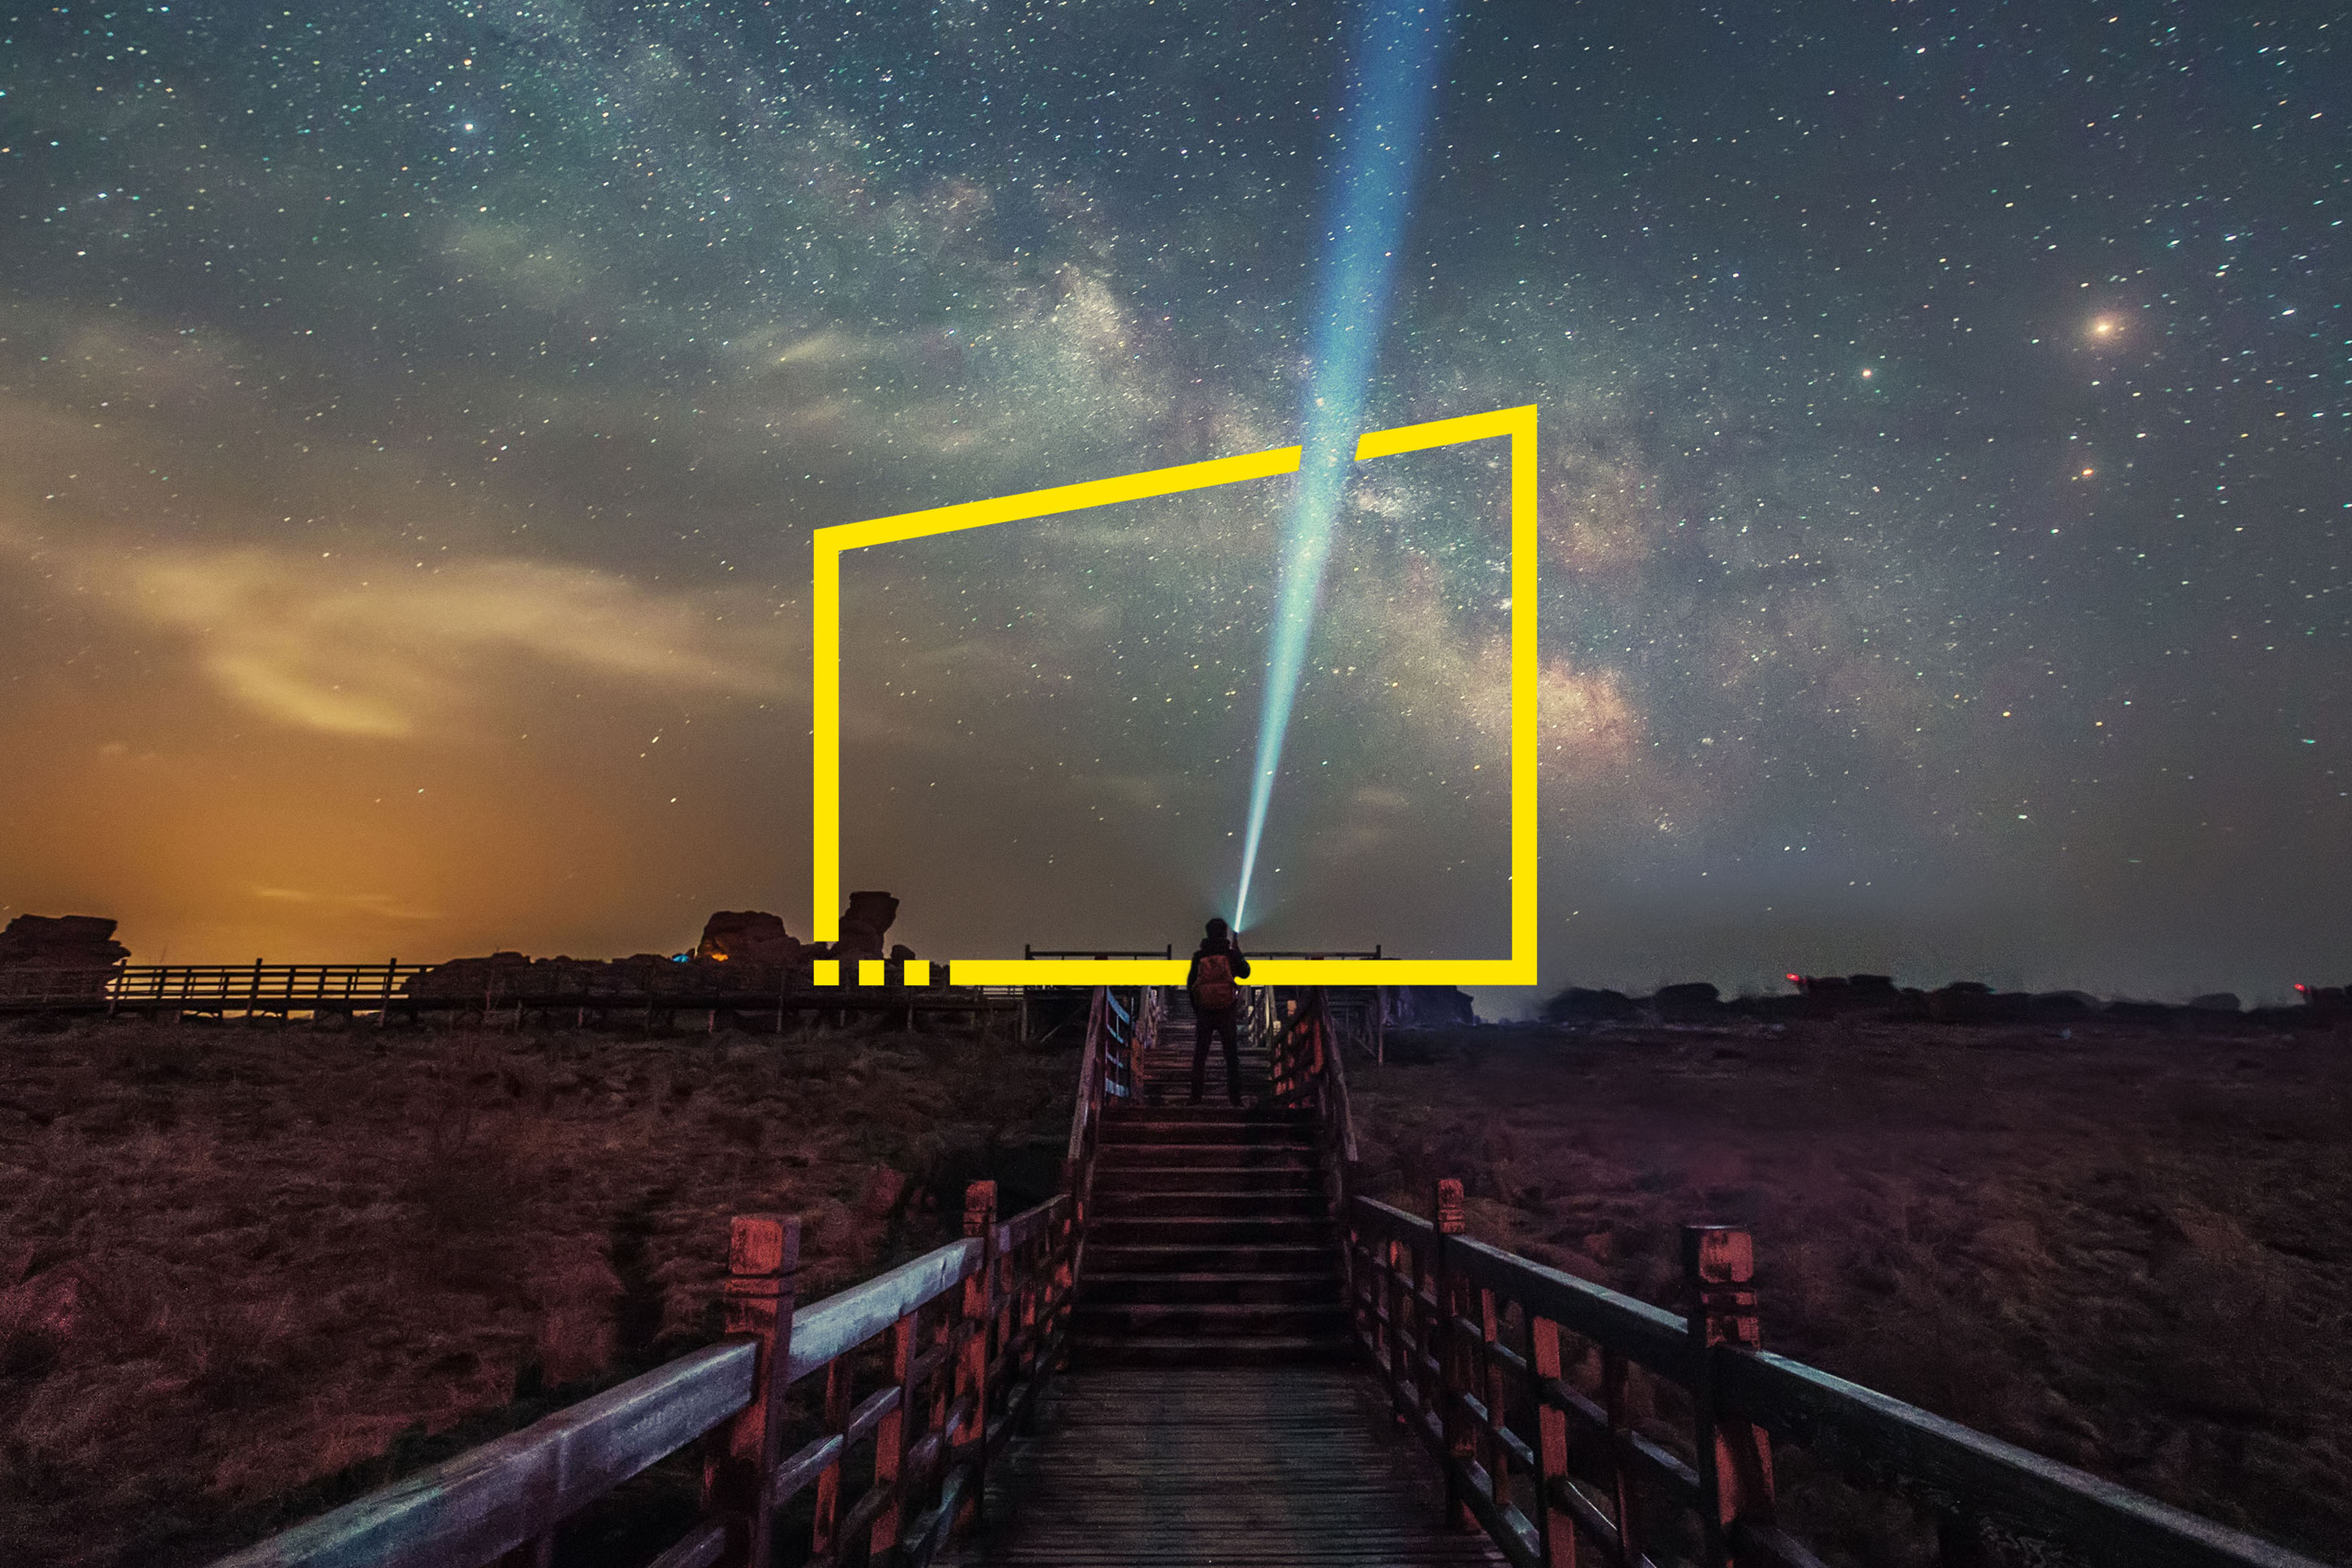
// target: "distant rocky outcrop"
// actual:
[[1873, 990], [1971, 1002], [2064, 1004], [741, 950], [472, 979], [1427, 1006], [60, 941], [1579, 1005], [863, 926], [1693, 996], [748, 936]]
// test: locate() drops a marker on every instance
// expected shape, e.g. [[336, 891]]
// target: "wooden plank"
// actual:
[[1884, 1441], [1219, 1467], [489, 1501], [841, 1322]]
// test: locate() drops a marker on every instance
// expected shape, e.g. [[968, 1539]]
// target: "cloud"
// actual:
[[379, 647], [385, 906]]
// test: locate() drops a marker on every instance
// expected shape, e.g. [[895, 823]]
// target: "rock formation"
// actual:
[[60, 941], [73, 955], [1577, 1004], [1428, 1005], [741, 950], [865, 925], [748, 936], [1693, 996]]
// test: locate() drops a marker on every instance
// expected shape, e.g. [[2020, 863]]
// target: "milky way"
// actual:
[[417, 416]]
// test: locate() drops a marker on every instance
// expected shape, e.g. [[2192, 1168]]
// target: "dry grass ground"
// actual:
[[246, 1271], [2130, 1251]]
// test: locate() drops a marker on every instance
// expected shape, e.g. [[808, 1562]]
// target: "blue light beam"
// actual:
[[1400, 47]]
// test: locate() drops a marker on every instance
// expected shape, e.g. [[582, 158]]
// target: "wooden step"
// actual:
[[1300, 1177], [1116, 1204], [1320, 1286], [1214, 1319], [1268, 1349], [1195, 1156], [1219, 1114], [1136, 1128], [1162, 1258], [1115, 1230]]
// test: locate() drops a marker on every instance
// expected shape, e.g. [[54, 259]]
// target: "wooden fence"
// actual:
[[969, 1333], [506, 994], [197, 987], [1518, 1377]]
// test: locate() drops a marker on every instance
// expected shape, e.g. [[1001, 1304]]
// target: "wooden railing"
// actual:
[[1360, 1027], [1116, 1034], [393, 987], [967, 1335], [1308, 1067], [1520, 1379], [198, 987]]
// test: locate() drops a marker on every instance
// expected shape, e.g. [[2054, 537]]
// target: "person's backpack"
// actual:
[[1213, 983]]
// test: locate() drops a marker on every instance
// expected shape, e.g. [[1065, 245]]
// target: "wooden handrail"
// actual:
[[974, 1328], [1430, 1307], [1869, 1435], [489, 1501]]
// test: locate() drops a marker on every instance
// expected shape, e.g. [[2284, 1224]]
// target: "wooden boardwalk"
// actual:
[[1205, 1467]]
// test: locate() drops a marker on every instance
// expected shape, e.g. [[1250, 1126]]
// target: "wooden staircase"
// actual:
[[1208, 1238]]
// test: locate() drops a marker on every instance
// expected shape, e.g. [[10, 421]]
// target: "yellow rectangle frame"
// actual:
[[1518, 969]]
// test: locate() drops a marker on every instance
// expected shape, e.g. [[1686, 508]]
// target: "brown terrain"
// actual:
[[249, 1271], [2130, 1250]]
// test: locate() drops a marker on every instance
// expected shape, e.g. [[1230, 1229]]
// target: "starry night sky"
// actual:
[[415, 415]]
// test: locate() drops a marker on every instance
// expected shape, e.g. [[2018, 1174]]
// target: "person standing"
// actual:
[[1217, 965]]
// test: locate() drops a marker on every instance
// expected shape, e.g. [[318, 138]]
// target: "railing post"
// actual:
[[1029, 1268], [1623, 1496], [763, 1253], [971, 1438], [1735, 1457], [1555, 1529], [1452, 1357], [826, 1523], [1495, 1393], [890, 1436], [1063, 1275]]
